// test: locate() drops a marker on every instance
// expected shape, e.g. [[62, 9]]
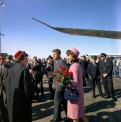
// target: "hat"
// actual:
[[75, 51], [49, 57], [17, 54], [35, 57], [103, 54], [94, 57]]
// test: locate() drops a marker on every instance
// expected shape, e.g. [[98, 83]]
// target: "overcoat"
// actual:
[[19, 94]]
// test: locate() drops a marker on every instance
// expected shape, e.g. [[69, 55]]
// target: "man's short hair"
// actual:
[[1, 54], [94, 57], [9, 57], [57, 51], [103, 55]]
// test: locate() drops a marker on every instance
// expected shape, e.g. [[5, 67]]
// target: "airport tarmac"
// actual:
[[97, 109]]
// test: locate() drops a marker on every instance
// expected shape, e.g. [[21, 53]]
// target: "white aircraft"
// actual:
[[86, 32], [108, 55]]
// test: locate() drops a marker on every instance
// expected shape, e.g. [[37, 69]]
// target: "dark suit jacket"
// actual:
[[106, 67], [58, 63], [93, 70], [8, 64], [37, 72], [49, 68], [84, 65], [3, 74]]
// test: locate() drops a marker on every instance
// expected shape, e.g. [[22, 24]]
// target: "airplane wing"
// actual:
[[86, 32]]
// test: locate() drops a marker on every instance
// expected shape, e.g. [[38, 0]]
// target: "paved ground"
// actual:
[[97, 109]]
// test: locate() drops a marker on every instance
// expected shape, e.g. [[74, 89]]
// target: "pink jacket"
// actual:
[[75, 109]]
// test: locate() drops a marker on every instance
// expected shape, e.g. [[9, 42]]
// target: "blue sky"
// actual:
[[23, 33]]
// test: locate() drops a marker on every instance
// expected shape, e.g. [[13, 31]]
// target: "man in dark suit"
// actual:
[[9, 61], [84, 64], [37, 78], [105, 68], [59, 89], [49, 70], [94, 76], [3, 110]]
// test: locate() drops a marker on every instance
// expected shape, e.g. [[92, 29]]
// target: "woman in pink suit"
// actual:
[[75, 109]]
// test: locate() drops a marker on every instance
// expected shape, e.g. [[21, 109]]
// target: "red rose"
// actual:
[[71, 74], [51, 74], [58, 80], [63, 75], [61, 67]]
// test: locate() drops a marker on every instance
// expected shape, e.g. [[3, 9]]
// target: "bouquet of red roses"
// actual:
[[62, 76]]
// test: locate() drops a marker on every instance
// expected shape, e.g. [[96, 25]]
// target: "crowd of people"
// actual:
[[21, 82]]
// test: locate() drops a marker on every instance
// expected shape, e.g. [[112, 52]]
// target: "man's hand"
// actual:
[[53, 86], [105, 75]]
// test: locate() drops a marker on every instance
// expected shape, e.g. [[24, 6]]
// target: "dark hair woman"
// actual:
[[75, 109]]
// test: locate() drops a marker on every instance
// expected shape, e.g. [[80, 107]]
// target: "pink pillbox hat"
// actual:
[[75, 51]]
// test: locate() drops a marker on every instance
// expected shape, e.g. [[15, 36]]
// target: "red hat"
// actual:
[[18, 53], [75, 51]]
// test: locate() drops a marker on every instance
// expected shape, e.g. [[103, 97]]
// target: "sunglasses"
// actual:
[[1, 58]]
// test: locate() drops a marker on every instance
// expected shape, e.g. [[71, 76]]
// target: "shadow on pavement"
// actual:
[[100, 105], [104, 115], [118, 93], [41, 111], [44, 108], [87, 89]]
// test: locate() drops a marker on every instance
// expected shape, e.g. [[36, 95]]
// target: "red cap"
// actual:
[[18, 53]]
